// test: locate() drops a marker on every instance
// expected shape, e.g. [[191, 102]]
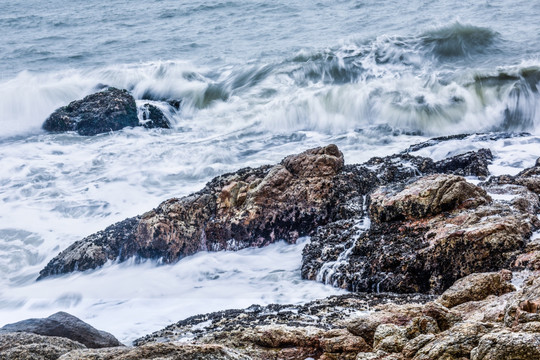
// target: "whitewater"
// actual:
[[257, 82]]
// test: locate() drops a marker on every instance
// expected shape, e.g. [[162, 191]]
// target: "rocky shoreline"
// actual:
[[427, 255]]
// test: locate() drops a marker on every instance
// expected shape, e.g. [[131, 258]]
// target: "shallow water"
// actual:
[[258, 82]]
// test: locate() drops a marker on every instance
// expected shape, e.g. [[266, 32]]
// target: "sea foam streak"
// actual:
[[130, 301]]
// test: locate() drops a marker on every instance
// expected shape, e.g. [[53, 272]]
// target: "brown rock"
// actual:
[[506, 345], [477, 287], [389, 338], [252, 207], [428, 196], [425, 254], [169, 351], [21, 345]]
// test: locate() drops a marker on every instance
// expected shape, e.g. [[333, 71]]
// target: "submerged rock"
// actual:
[[67, 326], [153, 117], [108, 110]]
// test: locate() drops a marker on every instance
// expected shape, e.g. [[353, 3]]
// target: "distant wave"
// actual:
[[391, 81]]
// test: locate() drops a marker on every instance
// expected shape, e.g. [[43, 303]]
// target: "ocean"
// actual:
[[257, 81]]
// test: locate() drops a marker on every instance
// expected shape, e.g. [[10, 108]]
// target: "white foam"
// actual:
[[130, 301]]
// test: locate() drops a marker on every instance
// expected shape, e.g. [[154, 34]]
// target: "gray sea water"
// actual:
[[258, 81]]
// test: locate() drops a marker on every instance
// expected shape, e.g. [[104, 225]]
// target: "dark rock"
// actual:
[[471, 163], [28, 346], [492, 136], [529, 178], [324, 314], [176, 104], [153, 117], [67, 326], [421, 240], [104, 111], [316, 329]]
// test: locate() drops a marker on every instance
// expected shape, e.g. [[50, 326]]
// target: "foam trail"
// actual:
[[109, 297]]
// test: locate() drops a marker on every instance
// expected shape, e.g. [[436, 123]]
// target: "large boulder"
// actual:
[[107, 110], [67, 326], [252, 207]]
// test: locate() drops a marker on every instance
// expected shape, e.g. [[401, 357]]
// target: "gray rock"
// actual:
[[67, 326]]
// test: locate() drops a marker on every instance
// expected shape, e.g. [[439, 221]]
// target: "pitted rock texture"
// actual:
[[67, 326]]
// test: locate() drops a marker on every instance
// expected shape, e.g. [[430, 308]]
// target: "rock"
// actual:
[[428, 196], [421, 325], [389, 338], [21, 345], [104, 111], [477, 287], [524, 306], [67, 326], [506, 345], [423, 237], [455, 343], [252, 207], [529, 178], [491, 136], [412, 347], [470, 163], [327, 314], [169, 351], [153, 117]]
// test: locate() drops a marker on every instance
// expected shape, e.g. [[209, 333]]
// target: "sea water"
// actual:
[[257, 81]]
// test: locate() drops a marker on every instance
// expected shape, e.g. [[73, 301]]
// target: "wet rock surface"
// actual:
[[428, 232], [107, 110], [252, 207], [153, 117], [67, 326]]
